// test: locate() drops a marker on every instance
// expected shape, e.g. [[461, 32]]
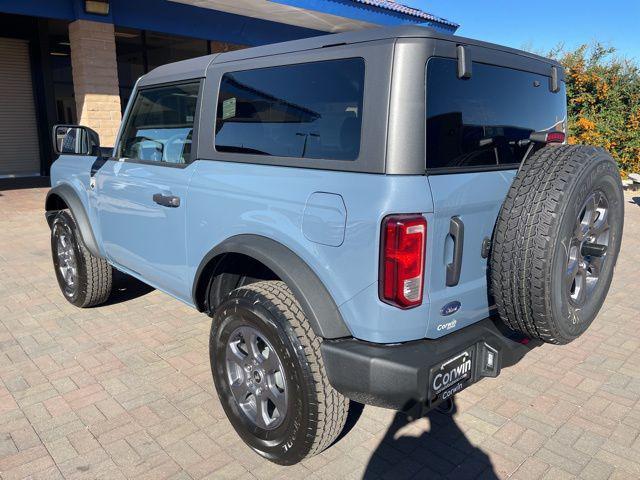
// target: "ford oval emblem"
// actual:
[[450, 308]]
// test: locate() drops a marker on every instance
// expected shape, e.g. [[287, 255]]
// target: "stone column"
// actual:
[[221, 47], [95, 78]]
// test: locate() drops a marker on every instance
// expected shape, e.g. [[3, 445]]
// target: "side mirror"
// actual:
[[75, 140]]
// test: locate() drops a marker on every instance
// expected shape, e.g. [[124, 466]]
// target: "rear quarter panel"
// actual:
[[229, 198]]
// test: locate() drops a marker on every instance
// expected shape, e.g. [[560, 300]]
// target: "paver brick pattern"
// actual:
[[125, 391]]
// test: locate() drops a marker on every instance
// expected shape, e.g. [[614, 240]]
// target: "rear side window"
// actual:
[[160, 125], [485, 121], [310, 110]]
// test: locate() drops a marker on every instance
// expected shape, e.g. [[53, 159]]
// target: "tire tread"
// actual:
[[332, 407], [525, 235], [97, 278]]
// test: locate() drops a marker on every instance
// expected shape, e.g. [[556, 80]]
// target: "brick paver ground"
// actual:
[[124, 390]]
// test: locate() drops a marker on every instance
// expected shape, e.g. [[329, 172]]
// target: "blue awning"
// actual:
[[245, 22], [413, 12]]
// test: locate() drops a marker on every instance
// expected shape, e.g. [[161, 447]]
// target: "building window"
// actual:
[[162, 48], [60, 60], [130, 59], [139, 51]]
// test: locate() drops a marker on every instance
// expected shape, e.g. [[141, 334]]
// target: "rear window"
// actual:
[[310, 110], [485, 121]]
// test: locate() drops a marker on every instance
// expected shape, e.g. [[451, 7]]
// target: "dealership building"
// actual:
[[76, 61]]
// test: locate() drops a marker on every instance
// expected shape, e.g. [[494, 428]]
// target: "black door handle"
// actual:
[[456, 231], [170, 201]]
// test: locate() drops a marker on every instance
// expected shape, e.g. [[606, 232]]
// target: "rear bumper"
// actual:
[[399, 376]]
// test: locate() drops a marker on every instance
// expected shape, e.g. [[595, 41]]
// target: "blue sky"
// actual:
[[543, 24]]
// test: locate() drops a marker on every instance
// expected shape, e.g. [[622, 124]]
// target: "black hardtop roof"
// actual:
[[197, 67]]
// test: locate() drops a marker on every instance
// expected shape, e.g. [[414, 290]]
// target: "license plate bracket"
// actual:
[[452, 375]]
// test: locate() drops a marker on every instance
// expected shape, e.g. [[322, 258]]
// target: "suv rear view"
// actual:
[[384, 216]]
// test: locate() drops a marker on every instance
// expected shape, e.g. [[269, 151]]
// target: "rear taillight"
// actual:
[[555, 137], [547, 137], [402, 260]]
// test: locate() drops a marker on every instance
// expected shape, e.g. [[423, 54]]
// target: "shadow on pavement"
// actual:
[[20, 183], [444, 450], [126, 288], [355, 411]]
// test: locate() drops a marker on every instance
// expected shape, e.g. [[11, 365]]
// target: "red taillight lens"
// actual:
[[402, 260], [555, 137]]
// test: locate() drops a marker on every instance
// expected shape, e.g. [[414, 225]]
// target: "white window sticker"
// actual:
[[229, 108]]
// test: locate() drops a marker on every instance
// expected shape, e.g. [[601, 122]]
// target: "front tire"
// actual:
[[270, 377], [85, 280]]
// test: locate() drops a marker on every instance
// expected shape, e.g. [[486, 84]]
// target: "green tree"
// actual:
[[603, 93]]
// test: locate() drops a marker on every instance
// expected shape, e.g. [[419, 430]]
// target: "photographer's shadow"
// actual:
[[443, 451]]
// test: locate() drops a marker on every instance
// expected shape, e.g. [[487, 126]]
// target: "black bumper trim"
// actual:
[[397, 376]]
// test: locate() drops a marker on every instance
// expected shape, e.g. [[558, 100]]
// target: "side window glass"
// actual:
[[307, 110], [160, 125]]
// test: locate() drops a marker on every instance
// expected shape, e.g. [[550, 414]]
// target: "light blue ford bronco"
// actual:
[[383, 217]]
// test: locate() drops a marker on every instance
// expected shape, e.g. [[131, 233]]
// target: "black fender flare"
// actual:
[[314, 298], [69, 196]]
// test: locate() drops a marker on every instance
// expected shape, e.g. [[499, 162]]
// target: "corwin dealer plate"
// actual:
[[451, 376]]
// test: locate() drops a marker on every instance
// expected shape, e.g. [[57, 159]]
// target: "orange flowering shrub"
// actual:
[[603, 93]]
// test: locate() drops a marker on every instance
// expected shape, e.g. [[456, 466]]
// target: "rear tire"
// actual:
[[313, 412], [546, 283], [85, 280]]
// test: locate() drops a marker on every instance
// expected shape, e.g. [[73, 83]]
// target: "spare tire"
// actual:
[[556, 242]]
